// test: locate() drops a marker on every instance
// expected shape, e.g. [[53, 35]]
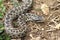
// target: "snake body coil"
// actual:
[[13, 14], [20, 13]]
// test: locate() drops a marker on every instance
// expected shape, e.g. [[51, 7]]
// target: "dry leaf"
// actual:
[[37, 38], [45, 9], [57, 26]]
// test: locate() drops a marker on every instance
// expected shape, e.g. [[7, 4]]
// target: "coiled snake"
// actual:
[[22, 17]]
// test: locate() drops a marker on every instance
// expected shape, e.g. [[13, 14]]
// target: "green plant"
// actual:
[[3, 35], [2, 8]]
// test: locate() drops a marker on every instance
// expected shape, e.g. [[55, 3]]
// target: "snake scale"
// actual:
[[22, 17]]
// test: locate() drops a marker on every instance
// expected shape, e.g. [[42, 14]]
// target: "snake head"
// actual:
[[34, 17], [39, 19]]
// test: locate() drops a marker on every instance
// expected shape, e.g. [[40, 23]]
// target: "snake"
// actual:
[[20, 13]]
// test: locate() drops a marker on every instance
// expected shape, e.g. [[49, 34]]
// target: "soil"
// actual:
[[45, 30]]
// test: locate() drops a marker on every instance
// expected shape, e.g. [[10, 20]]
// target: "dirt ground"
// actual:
[[42, 31], [49, 29]]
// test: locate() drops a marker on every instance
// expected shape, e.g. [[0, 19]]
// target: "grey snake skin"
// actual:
[[22, 17]]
